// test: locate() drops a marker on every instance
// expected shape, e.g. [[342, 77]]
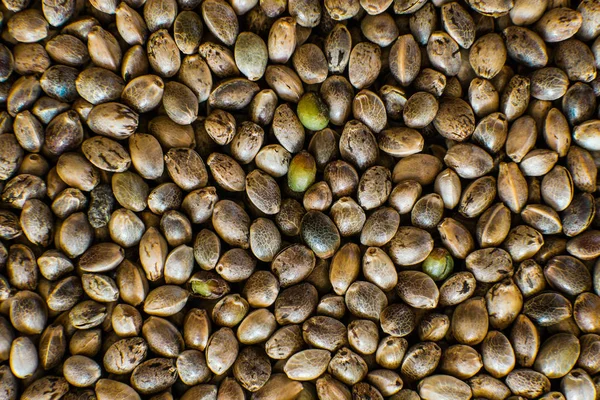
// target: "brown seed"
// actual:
[[456, 238], [548, 308], [405, 59], [521, 138], [421, 360], [488, 55], [470, 321], [461, 361]]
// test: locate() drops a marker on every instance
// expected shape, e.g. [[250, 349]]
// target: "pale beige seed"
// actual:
[[251, 55], [307, 364]]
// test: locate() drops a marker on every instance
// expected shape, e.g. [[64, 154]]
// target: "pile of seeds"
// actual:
[[297, 199]]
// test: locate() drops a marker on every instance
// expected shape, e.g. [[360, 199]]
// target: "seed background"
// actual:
[[299, 199]]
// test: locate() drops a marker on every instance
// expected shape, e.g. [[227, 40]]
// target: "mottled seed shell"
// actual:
[[362, 156], [364, 64], [282, 40], [143, 93], [488, 55], [410, 246], [489, 265], [557, 188], [576, 59], [227, 172], [231, 223], [180, 103], [444, 54], [307, 364], [525, 47], [548, 308], [195, 74], [106, 154], [135, 63], [420, 110], [405, 59], [163, 54], [421, 360], [186, 168], [455, 119], [337, 48], [379, 269], [469, 161], [114, 120], [146, 155], [221, 20]]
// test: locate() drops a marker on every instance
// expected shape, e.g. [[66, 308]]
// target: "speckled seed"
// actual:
[[512, 187], [420, 110], [549, 83], [585, 135], [521, 138], [443, 387], [584, 245], [380, 227], [106, 154], [444, 54], [410, 246], [417, 289], [548, 308], [365, 300], [227, 172], [470, 321], [320, 233], [515, 98], [525, 47], [347, 366], [307, 364], [468, 160], [557, 188], [427, 211], [578, 216], [296, 303], [364, 64], [405, 59], [374, 187], [558, 355], [487, 56], [576, 59], [421, 360], [489, 265], [114, 120], [456, 238], [461, 361], [406, 169]]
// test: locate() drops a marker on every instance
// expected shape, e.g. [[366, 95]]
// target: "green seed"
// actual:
[[301, 174], [313, 112], [439, 264]]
